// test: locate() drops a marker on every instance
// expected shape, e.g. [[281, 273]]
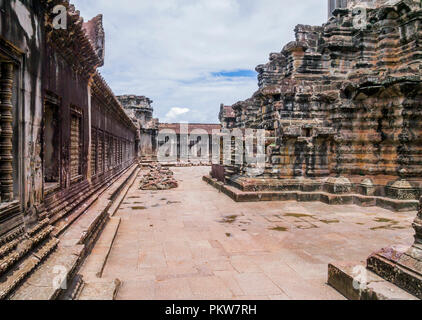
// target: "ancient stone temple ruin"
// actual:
[[341, 109], [189, 143], [65, 138], [87, 212], [227, 117], [186, 144], [140, 110], [341, 113]]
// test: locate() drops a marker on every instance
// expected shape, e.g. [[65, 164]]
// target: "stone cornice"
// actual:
[[102, 92], [73, 43]]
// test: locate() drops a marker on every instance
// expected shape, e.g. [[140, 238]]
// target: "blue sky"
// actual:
[[191, 55]]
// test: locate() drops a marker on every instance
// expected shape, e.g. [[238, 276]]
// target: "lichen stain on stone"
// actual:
[[330, 221], [139, 208], [391, 225], [173, 202], [388, 227], [229, 219], [298, 215], [385, 220], [280, 229]]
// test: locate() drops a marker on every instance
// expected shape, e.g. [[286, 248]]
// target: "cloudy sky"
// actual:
[[191, 55]]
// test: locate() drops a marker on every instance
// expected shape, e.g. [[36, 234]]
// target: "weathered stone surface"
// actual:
[[340, 105], [400, 265], [205, 246], [342, 101], [140, 111], [158, 178], [67, 136], [310, 196], [356, 282], [100, 290]]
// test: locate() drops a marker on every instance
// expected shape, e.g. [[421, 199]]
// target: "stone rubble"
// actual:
[[158, 178]]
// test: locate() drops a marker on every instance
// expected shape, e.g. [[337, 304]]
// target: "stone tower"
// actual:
[[140, 110]]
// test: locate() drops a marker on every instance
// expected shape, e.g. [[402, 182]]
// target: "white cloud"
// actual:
[[175, 113], [168, 49]]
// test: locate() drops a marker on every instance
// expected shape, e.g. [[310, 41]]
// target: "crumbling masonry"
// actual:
[[341, 107], [139, 109]]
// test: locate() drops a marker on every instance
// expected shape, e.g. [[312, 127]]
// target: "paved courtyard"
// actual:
[[195, 243]]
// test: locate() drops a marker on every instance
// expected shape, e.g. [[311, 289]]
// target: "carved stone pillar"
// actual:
[[6, 169]]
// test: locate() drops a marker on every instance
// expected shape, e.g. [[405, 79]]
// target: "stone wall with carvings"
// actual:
[[57, 116], [342, 100]]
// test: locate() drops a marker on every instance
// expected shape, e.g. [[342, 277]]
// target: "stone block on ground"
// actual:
[[356, 282]]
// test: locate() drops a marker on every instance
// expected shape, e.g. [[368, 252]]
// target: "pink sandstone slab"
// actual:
[[187, 248]]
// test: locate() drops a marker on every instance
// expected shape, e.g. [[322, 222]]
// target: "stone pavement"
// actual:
[[195, 243]]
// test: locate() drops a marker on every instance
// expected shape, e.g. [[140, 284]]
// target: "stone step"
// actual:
[[15, 253], [95, 263], [86, 228], [9, 247], [399, 265], [356, 282], [75, 288], [99, 290], [15, 276], [81, 202], [63, 224], [301, 196], [61, 266], [59, 208], [52, 277], [13, 243], [121, 196]]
